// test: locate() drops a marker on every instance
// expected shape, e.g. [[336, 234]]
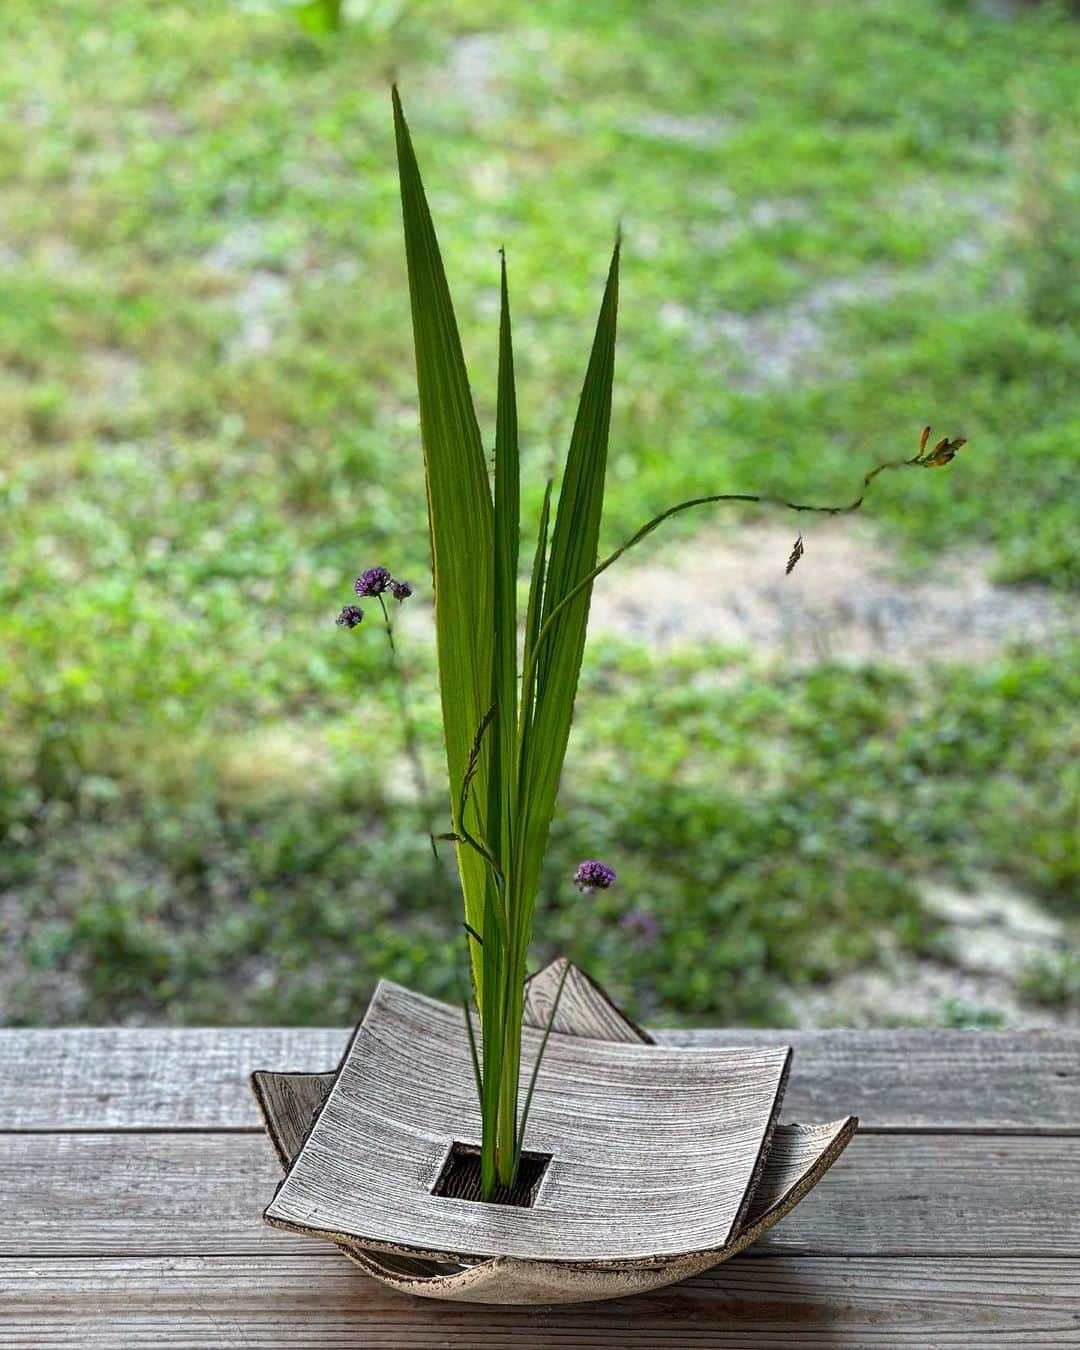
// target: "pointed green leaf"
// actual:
[[507, 531], [459, 506], [573, 556], [536, 599]]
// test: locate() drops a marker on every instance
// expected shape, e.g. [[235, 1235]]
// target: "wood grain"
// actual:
[[289, 1103], [135, 1078], [653, 1149], [798, 1157], [317, 1301], [925, 1194], [920, 1236], [148, 1078], [568, 999], [787, 1170]]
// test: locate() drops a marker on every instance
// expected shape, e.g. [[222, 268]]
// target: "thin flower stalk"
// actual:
[[408, 725]]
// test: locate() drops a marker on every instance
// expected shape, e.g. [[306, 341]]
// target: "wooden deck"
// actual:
[[133, 1172]]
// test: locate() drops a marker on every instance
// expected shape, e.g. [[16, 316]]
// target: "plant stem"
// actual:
[[408, 727], [647, 529], [539, 1060], [513, 1007]]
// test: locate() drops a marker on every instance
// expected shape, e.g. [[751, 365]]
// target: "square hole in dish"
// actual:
[[460, 1177]]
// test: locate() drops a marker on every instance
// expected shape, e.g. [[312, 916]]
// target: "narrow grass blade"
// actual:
[[507, 532], [534, 612], [581, 495], [477, 1075], [536, 1066], [573, 556], [548, 708], [503, 780], [460, 508], [491, 1001]]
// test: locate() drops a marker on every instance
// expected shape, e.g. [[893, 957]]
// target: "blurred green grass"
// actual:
[[206, 390]]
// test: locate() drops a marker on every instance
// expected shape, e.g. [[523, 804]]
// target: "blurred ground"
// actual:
[[847, 599], [848, 795]]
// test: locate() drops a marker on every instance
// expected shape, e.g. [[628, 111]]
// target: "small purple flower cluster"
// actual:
[[593, 876], [372, 583]]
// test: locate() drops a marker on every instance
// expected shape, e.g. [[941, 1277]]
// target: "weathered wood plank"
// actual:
[[75, 1194], [927, 1078], [135, 1078], [301, 1301], [148, 1078]]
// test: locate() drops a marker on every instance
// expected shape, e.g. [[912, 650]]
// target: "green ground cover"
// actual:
[[841, 220]]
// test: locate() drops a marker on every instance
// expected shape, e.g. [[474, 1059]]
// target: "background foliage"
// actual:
[[209, 426]]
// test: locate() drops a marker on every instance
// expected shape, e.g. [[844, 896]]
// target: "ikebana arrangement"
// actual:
[[537, 1146]]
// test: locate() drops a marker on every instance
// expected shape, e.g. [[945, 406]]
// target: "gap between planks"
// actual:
[[783, 1301], [755, 1253], [175, 1079], [886, 1195], [945, 1131]]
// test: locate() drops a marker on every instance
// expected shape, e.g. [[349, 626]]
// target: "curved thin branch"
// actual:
[[920, 460]]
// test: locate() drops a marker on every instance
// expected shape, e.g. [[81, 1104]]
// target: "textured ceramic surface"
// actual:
[[663, 1160]]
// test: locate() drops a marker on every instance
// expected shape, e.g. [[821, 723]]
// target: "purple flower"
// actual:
[[593, 876], [372, 582], [401, 590], [350, 616]]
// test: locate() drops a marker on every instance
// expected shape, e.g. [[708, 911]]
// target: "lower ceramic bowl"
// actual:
[[645, 1164]]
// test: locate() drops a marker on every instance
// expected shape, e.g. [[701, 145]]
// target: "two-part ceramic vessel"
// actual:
[[644, 1164]]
